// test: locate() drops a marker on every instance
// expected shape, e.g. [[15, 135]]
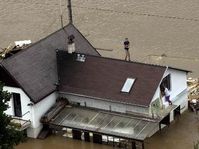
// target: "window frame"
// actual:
[[126, 88], [167, 82]]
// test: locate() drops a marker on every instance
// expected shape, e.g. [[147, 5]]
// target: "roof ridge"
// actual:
[[115, 59], [86, 39], [141, 63]]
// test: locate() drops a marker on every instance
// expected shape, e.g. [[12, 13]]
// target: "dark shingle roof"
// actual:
[[103, 78], [35, 69]]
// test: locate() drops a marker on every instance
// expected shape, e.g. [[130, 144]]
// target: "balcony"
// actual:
[[19, 123]]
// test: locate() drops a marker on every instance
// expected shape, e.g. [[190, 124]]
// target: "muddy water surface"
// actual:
[[59, 142]]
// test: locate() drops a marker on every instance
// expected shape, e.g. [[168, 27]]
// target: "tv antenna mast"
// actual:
[[70, 15]]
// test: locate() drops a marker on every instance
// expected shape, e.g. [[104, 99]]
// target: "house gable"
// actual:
[[176, 80], [35, 67]]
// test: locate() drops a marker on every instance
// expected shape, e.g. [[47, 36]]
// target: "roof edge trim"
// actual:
[[40, 99], [121, 60]]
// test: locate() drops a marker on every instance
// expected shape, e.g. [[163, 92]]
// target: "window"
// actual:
[[17, 105], [166, 82], [128, 85]]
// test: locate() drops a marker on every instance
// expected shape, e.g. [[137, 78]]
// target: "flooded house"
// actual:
[[106, 98]]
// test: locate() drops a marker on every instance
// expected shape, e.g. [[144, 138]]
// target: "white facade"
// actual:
[[178, 91], [30, 111], [38, 111]]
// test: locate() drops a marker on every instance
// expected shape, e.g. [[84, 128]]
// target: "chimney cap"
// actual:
[[71, 37]]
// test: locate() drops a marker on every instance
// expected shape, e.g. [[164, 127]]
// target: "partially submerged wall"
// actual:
[[39, 110]]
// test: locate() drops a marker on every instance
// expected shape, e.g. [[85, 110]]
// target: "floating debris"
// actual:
[[193, 88], [14, 48]]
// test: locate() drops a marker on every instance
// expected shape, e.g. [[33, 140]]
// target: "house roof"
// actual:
[[104, 78], [35, 70]]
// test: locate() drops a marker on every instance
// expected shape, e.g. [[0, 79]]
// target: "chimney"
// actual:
[[71, 44]]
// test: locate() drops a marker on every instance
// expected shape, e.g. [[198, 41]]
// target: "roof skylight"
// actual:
[[128, 85]]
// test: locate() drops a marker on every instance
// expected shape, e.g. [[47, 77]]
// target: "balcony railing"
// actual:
[[19, 123]]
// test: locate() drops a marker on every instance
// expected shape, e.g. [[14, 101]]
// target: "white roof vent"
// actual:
[[71, 44], [128, 85], [81, 58]]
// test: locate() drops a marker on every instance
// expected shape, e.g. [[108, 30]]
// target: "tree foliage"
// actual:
[[196, 145], [8, 135]]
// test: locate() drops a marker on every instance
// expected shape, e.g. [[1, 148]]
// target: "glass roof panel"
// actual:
[[104, 122]]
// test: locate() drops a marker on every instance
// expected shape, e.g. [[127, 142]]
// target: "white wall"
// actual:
[[178, 81], [34, 112], [42, 107], [104, 105], [178, 86], [39, 110], [157, 94], [178, 92], [182, 100], [25, 100]]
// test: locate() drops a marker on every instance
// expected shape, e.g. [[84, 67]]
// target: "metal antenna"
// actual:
[[70, 12], [61, 14]]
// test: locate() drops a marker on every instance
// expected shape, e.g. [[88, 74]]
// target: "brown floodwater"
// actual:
[[181, 134]]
